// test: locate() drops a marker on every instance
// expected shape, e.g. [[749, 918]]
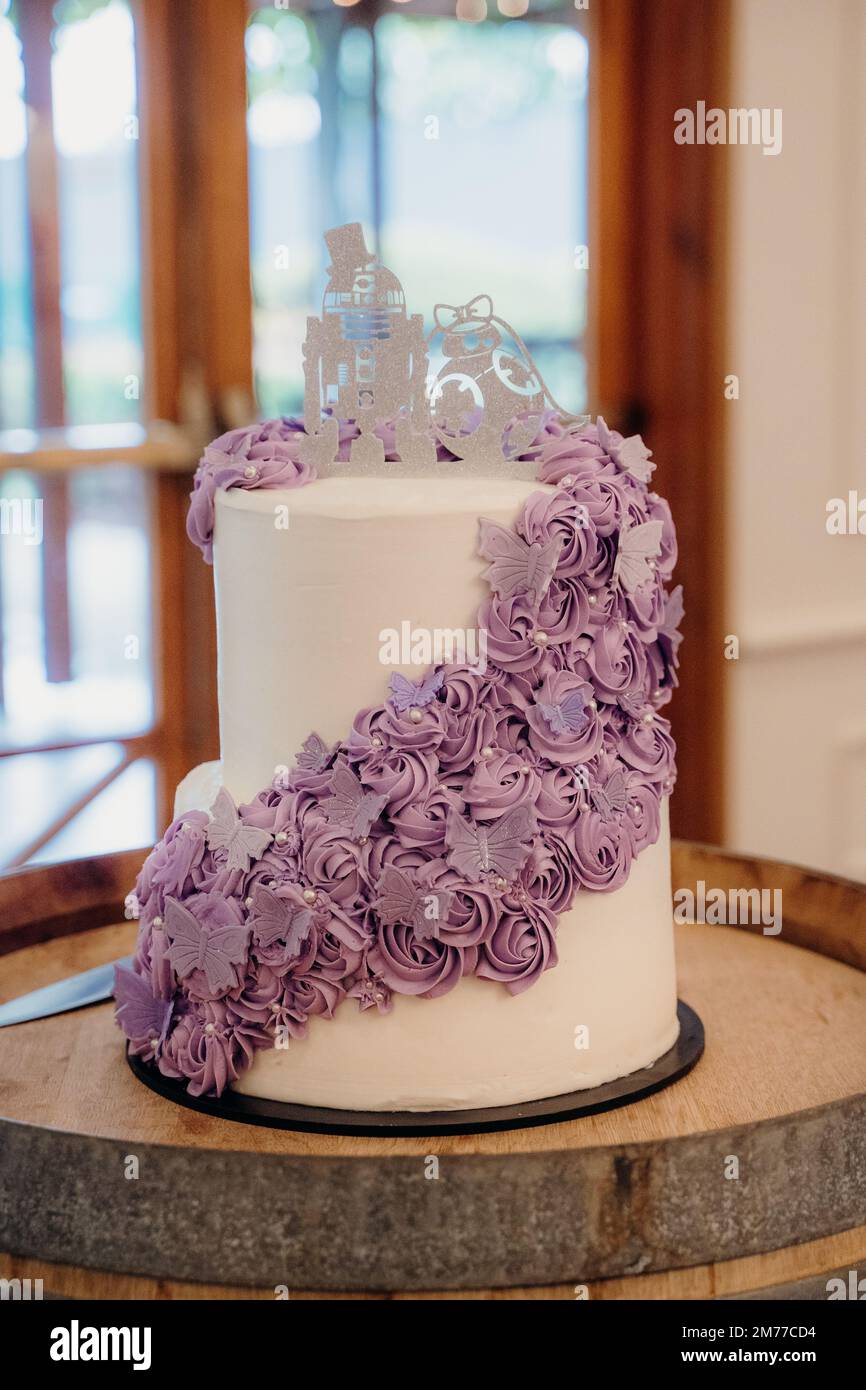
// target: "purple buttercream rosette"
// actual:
[[483, 809]]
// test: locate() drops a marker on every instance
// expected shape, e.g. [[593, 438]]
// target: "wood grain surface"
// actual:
[[806, 1266], [632, 1202]]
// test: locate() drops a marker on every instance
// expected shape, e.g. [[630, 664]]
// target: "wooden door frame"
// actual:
[[657, 294], [197, 313]]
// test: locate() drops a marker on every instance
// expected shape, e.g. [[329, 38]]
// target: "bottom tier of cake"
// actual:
[[607, 1009]]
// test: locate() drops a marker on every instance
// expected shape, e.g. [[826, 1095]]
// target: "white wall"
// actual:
[[797, 437]]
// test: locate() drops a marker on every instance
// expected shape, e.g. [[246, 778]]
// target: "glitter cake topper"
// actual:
[[366, 361]]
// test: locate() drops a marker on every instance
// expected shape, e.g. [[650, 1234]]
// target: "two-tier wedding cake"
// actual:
[[432, 868]]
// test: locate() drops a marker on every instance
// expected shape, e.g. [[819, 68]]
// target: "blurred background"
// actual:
[[167, 168]]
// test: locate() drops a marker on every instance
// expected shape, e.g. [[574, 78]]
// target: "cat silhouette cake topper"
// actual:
[[367, 363]]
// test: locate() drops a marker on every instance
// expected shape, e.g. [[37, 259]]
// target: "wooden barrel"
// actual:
[[747, 1175]]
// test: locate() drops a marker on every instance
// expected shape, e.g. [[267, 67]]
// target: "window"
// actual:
[[152, 155], [17, 376], [96, 138], [359, 109], [76, 641]]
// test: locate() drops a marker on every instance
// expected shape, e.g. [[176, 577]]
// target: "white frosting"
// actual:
[[300, 613], [480, 1045], [199, 789]]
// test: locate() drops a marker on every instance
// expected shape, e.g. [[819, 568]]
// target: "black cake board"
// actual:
[[254, 1110]]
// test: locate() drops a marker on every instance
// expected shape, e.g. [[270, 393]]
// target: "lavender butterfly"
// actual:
[[631, 454], [567, 717], [611, 797], [400, 900], [518, 566], [637, 547], [350, 804], [490, 849], [315, 754], [214, 950], [227, 831], [674, 611], [277, 919], [406, 694], [137, 1012], [669, 636]]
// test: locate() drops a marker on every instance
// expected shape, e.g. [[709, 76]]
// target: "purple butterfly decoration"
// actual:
[[612, 797], [277, 919], [638, 546], [518, 566], [214, 950], [137, 1012], [634, 456], [497, 849], [350, 804], [603, 433], [401, 901], [315, 754], [631, 454], [406, 694], [674, 612], [226, 830], [567, 717]]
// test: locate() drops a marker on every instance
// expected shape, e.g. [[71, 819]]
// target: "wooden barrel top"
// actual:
[[781, 1089]]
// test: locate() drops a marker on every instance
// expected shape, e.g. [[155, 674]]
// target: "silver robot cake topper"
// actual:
[[366, 361]]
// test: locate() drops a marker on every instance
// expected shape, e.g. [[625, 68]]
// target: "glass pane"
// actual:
[[17, 386], [96, 134], [493, 117], [108, 561], [309, 138], [121, 817], [43, 788]]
